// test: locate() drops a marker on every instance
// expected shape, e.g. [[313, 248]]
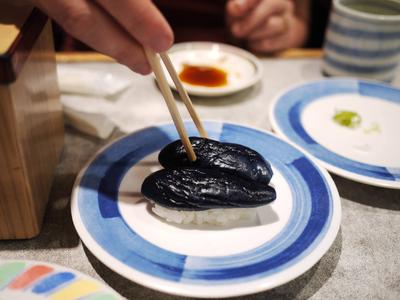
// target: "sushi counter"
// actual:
[[363, 261]]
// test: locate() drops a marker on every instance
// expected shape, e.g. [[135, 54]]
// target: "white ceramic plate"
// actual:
[[243, 68], [286, 239], [368, 153], [35, 280]]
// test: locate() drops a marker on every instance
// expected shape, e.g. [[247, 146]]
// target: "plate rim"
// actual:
[[330, 167], [56, 266], [219, 291], [218, 92]]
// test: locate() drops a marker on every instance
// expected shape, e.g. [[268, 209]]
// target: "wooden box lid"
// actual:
[[19, 29]]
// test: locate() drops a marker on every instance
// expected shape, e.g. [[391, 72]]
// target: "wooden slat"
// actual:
[[17, 215], [183, 94], [299, 53], [76, 57], [31, 138], [155, 64]]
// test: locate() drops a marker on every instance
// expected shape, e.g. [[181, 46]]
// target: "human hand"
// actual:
[[115, 28], [268, 25]]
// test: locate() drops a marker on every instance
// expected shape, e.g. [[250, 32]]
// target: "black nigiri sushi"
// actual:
[[226, 182]]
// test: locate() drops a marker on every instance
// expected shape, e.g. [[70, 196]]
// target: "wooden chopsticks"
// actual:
[[155, 64], [183, 93]]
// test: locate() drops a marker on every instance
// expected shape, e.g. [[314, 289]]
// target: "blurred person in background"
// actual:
[[118, 28], [263, 26]]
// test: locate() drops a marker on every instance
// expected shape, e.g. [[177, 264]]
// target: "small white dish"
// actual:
[[369, 152], [289, 236], [35, 280], [243, 69]]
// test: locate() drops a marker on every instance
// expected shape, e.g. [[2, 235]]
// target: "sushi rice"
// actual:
[[217, 216]]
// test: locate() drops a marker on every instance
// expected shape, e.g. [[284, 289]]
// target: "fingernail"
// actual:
[[161, 44], [143, 69]]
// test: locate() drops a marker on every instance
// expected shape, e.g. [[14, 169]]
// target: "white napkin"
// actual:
[[139, 104], [90, 82], [89, 114], [89, 96]]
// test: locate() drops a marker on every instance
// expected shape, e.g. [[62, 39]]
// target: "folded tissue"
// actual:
[[88, 114], [90, 82], [86, 98]]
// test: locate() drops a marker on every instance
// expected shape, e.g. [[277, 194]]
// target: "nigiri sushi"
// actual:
[[226, 183]]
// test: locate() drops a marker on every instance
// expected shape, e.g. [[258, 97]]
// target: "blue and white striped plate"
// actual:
[[286, 239], [368, 153]]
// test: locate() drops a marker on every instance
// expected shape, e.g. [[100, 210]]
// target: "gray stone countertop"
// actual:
[[363, 262]]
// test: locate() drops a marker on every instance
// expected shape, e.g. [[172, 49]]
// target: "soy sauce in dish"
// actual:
[[203, 76]]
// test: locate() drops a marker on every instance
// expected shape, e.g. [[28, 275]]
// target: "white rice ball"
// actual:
[[218, 216]]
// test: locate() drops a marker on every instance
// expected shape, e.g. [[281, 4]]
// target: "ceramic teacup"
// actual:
[[363, 39]]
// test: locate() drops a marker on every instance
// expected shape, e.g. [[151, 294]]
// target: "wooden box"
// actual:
[[31, 123]]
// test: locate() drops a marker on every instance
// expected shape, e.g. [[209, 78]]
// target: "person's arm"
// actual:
[[115, 28], [269, 25]]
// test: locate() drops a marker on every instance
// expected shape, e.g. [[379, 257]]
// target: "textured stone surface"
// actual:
[[363, 262]]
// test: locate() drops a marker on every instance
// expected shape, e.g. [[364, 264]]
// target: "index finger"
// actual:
[[142, 20], [239, 8], [257, 16]]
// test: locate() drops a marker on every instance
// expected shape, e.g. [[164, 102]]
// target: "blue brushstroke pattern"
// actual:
[[366, 22], [52, 282], [382, 91], [112, 233], [256, 263], [100, 210], [363, 34], [359, 69], [362, 53], [288, 114]]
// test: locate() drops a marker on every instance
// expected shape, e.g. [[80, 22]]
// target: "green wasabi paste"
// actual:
[[347, 118]]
